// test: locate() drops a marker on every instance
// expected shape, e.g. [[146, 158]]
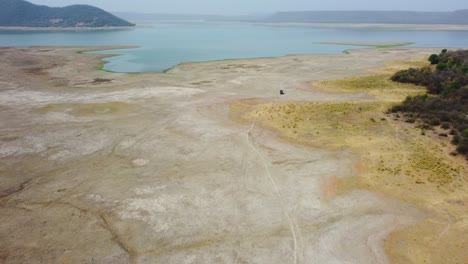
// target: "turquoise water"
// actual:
[[162, 46]]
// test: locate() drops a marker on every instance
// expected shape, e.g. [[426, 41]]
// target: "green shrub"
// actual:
[[463, 147], [434, 59], [465, 133], [441, 66], [434, 122], [464, 68], [456, 140], [445, 125]]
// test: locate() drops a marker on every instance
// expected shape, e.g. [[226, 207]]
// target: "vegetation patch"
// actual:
[[379, 86], [373, 82], [396, 156], [446, 101], [393, 66], [100, 67]]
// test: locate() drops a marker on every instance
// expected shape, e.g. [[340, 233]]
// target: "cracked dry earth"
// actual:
[[103, 167]]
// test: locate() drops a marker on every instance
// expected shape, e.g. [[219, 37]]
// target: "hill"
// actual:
[[19, 13], [380, 17]]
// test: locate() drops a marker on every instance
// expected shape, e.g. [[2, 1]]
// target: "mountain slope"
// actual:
[[24, 14], [389, 17]]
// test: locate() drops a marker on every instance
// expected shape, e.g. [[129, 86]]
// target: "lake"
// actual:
[[162, 46]]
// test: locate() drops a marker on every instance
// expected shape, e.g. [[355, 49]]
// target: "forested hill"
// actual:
[[19, 13], [381, 17]]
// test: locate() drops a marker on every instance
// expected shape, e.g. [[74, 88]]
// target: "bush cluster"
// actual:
[[450, 73], [446, 100]]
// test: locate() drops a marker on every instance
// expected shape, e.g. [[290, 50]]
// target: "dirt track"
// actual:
[[154, 168]]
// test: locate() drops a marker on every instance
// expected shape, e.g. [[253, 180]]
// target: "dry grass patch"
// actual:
[[379, 85], [393, 66], [332, 123], [390, 148]]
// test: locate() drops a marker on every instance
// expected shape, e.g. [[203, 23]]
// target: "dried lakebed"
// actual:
[[208, 164]]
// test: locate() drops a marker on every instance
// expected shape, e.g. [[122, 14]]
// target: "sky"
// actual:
[[239, 7]]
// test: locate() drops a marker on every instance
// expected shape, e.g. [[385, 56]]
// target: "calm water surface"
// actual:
[[162, 46]]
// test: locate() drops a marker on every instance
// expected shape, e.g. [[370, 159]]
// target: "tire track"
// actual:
[[291, 222]]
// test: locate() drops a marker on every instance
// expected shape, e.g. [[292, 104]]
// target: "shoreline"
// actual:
[[148, 24], [90, 49], [363, 45]]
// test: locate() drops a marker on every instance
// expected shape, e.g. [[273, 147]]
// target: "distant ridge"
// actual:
[[459, 17], [19, 13]]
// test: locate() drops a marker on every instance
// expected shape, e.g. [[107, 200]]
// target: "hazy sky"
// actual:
[[259, 6]]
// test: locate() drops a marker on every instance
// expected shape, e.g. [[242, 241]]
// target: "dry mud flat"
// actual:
[[208, 164]]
